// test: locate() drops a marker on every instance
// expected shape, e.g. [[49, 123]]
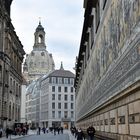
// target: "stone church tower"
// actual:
[[39, 61]]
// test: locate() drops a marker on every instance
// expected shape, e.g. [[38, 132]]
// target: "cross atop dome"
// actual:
[[39, 20]]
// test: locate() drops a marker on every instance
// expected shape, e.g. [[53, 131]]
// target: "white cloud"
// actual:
[[62, 20]]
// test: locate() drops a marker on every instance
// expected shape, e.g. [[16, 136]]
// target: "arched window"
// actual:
[[40, 39]]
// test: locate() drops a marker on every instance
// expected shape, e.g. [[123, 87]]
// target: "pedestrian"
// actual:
[[61, 129], [44, 130], [74, 131], [91, 132], [80, 134], [7, 132], [27, 128], [1, 131], [47, 130], [38, 131], [58, 129], [54, 129]]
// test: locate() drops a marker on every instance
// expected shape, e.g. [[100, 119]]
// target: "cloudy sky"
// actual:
[[62, 20]]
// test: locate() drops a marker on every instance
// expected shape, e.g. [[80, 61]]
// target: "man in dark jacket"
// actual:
[[91, 132], [80, 135]]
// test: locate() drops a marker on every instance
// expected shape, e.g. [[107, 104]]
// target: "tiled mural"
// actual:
[[116, 52]]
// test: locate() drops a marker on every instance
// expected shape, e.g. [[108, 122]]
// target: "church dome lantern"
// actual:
[[39, 62], [39, 38]]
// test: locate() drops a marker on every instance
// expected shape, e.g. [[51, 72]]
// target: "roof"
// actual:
[[40, 27], [61, 73], [30, 87]]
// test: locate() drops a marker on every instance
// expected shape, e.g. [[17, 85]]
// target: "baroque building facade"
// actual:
[[51, 100], [107, 79], [39, 61], [11, 58]]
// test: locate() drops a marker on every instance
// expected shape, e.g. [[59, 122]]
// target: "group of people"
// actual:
[[79, 134], [18, 130], [58, 130], [51, 129]]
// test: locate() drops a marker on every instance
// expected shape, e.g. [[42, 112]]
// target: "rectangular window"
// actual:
[[71, 81], [68, 80], [53, 114], [71, 89], [71, 105], [59, 114], [72, 98], [53, 96], [59, 96], [53, 88], [60, 80], [54, 80], [65, 114], [65, 97], [59, 105], [65, 106], [53, 105], [65, 89], [72, 114], [65, 80], [59, 89]]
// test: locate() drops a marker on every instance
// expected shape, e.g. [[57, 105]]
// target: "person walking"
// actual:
[[91, 132], [38, 131], [54, 130], [7, 132], [44, 130], [80, 135], [1, 131], [47, 129], [61, 129]]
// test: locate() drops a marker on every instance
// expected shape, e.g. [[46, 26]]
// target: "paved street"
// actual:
[[33, 136], [46, 136]]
